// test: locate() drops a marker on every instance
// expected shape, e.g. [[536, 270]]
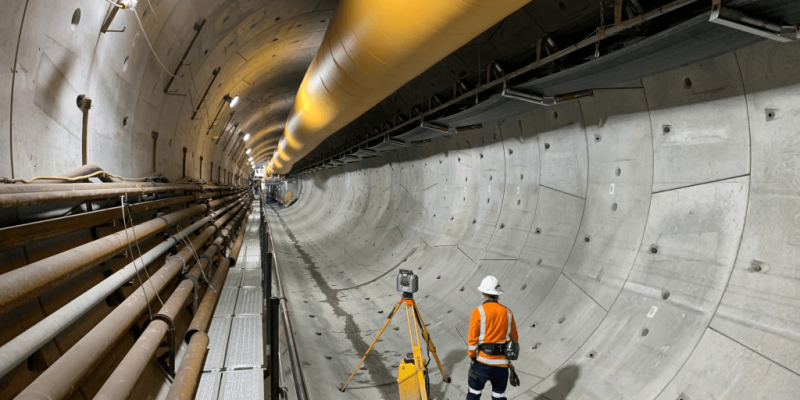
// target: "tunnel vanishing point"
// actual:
[[212, 199]]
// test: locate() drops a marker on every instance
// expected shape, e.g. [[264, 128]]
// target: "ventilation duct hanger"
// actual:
[[756, 26]]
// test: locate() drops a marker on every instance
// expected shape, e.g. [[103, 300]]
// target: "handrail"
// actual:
[[297, 372]]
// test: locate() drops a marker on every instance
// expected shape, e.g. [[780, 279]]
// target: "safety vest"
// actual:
[[491, 323]]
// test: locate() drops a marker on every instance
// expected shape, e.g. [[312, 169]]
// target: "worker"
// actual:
[[491, 327]]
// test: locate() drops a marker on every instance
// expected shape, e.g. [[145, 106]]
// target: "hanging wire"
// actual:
[[197, 258], [153, 10], [113, 4], [150, 44], [133, 257]]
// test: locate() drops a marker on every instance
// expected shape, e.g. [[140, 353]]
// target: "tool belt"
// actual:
[[493, 349]]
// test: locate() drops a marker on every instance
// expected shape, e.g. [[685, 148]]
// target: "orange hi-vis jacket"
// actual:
[[491, 322]]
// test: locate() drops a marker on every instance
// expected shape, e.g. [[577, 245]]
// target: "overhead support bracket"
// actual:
[[170, 367], [740, 21], [543, 100], [198, 26]]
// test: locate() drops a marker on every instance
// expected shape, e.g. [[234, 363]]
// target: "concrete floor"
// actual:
[[646, 239]]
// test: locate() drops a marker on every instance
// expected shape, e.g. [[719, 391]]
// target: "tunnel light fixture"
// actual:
[[234, 101], [247, 136], [434, 126], [247, 152], [250, 159], [527, 97]]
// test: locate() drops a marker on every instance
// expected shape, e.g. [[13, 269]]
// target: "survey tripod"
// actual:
[[412, 374]]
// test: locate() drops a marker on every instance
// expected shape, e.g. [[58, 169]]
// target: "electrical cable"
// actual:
[[158, 23], [197, 259], [114, 4], [133, 258], [150, 44]]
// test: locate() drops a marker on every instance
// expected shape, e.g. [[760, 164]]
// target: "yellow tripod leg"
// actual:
[[427, 337], [418, 360], [344, 385]]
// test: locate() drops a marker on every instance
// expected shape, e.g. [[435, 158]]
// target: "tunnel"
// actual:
[[636, 193]]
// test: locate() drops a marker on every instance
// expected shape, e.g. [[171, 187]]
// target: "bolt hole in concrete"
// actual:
[[618, 172], [380, 312], [318, 333], [665, 294], [536, 346], [597, 138], [586, 239], [481, 154], [519, 202], [687, 83], [451, 218], [125, 121], [561, 320], [770, 115], [502, 226], [614, 207], [76, 19], [667, 129], [654, 249], [521, 176], [533, 325], [645, 332], [538, 231], [449, 311], [474, 221], [591, 354], [555, 114], [523, 287], [462, 289], [125, 64], [487, 201], [547, 146], [510, 152], [490, 177], [539, 262]]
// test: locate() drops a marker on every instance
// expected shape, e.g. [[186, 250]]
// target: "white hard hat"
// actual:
[[490, 285]]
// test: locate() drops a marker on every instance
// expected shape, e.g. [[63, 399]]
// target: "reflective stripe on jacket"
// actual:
[[491, 323]]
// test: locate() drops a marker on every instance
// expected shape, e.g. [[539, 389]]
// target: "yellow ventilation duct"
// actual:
[[371, 49]]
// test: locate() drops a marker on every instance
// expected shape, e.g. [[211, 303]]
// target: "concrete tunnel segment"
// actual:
[[645, 237]]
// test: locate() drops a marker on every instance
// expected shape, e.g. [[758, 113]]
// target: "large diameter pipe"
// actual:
[[371, 49], [121, 382], [20, 235], [69, 371], [17, 195], [186, 379], [22, 346], [28, 282], [184, 386], [205, 311]]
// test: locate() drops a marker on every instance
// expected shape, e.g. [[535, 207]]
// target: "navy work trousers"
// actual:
[[480, 373]]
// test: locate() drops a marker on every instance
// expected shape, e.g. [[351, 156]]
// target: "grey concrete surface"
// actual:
[[641, 262]]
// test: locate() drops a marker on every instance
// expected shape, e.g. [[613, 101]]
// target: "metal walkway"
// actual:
[[234, 367]]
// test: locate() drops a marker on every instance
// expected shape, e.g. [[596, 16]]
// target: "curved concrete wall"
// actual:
[[646, 239]]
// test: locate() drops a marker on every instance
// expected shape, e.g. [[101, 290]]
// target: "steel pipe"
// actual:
[[67, 373], [205, 311], [186, 379], [21, 235], [18, 349], [25, 283], [121, 382], [184, 386]]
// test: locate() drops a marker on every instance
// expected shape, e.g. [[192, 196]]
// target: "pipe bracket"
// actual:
[[210, 261], [171, 256], [194, 289], [171, 341]]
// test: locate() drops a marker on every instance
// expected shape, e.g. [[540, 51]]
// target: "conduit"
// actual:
[[28, 282], [122, 381], [27, 195], [67, 373], [17, 350], [186, 379], [370, 50]]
